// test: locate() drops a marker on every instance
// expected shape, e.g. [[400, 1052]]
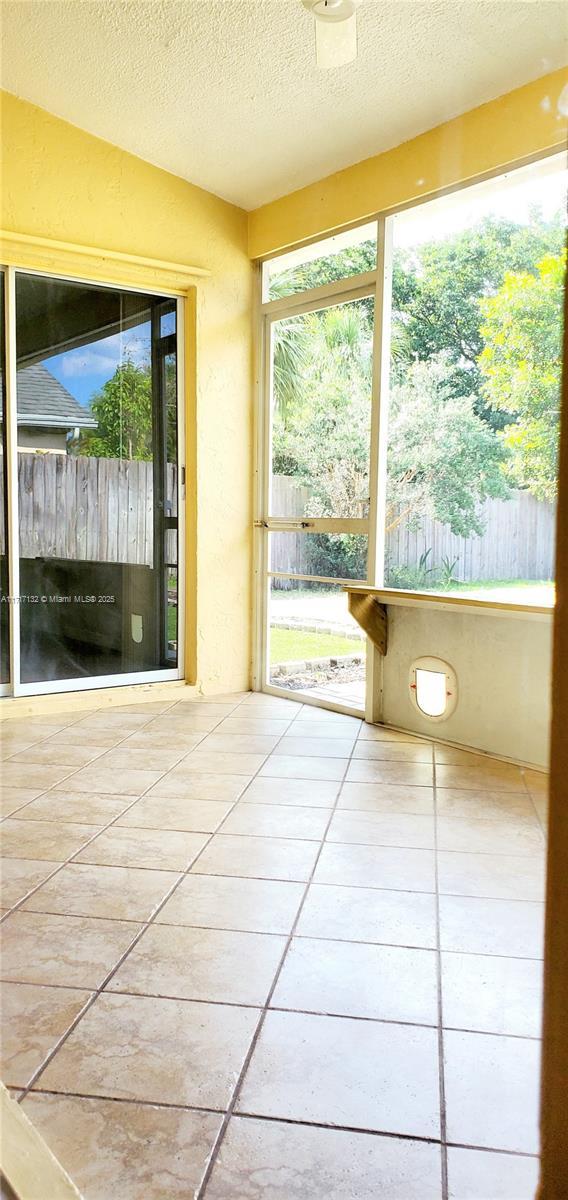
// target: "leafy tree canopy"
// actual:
[[123, 412], [521, 365]]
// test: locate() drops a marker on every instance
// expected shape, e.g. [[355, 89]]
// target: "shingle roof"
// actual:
[[43, 401]]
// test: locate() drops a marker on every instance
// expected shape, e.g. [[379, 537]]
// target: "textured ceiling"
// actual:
[[226, 93]]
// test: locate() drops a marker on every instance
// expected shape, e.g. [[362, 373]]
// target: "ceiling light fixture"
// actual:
[[336, 31]]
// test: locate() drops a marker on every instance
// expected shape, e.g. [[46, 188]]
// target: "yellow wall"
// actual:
[[519, 125], [60, 183]]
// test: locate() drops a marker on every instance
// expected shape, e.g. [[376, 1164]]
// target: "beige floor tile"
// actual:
[[476, 1174], [382, 733], [492, 995], [66, 951], [457, 757], [541, 808], [478, 835], [57, 756], [494, 777], [175, 812], [178, 1052], [386, 798], [239, 743], [196, 786], [499, 876], [133, 1151], [167, 738], [138, 758], [251, 905], [367, 771], [123, 893], [215, 762], [98, 739], [308, 793], [489, 806], [51, 840], [504, 927], [32, 729], [254, 725], [269, 706], [219, 965], [276, 820], [386, 983], [298, 767], [377, 866], [260, 1159], [347, 727], [12, 799], [115, 781], [33, 1019], [313, 714], [382, 829], [419, 752], [19, 875], [32, 775], [315, 747], [339, 1071], [88, 807], [492, 1091], [258, 857], [209, 709], [114, 720], [145, 708], [9, 747], [158, 849], [358, 914], [537, 782]]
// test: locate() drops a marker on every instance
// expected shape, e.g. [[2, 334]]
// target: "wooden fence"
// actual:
[[517, 543], [101, 510], [88, 509]]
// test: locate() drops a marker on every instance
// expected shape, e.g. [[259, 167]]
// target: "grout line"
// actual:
[[541, 823], [441, 1064], [122, 958], [265, 1009], [405, 1137], [131, 801]]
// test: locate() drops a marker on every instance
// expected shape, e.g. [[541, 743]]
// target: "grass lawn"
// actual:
[[508, 591], [293, 645]]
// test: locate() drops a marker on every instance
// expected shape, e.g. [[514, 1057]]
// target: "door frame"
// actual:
[[15, 688], [370, 283]]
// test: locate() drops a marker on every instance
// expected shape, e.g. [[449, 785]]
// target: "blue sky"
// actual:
[[84, 370]]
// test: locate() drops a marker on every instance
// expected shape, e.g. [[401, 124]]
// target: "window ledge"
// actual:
[[433, 600]]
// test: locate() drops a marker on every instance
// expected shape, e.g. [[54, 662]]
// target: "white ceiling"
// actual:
[[226, 93]]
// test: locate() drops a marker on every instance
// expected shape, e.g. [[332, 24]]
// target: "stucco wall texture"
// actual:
[[61, 183]]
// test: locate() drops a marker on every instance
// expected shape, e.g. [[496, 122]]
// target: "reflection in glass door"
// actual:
[[97, 485], [321, 366], [4, 590]]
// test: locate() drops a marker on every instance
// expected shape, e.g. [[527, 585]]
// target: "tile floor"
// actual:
[[254, 949]]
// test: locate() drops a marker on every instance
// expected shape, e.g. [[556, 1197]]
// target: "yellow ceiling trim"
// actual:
[[521, 125], [93, 262]]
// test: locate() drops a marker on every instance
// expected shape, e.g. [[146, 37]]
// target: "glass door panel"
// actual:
[[321, 412], [97, 480], [4, 588], [317, 529]]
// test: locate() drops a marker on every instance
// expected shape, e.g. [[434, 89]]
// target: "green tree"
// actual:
[[521, 370], [123, 412], [443, 459], [437, 287]]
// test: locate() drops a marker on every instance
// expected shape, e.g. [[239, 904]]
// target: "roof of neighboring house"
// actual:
[[44, 402]]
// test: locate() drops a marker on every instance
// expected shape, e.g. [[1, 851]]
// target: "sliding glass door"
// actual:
[[96, 487]]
